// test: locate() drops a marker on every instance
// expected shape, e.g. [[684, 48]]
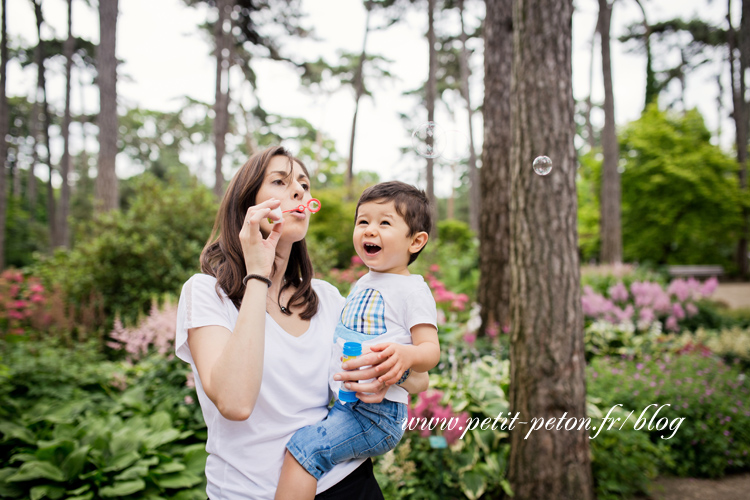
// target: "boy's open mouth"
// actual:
[[371, 249]]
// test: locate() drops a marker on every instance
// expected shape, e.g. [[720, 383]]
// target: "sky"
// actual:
[[166, 57]]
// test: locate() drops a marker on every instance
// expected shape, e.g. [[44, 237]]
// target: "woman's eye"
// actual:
[[278, 181], [305, 187]]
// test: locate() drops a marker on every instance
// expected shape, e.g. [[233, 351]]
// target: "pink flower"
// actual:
[[646, 315], [493, 330], [434, 268], [13, 290], [457, 304], [189, 400], [506, 329], [190, 382], [671, 324], [677, 311], [356, 261], [470, 338], [462, 297], [618, 292], [36, 288], [709, 286], [37, 298], [20, 304]]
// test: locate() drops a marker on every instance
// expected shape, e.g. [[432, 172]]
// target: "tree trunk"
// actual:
[[546, 349], [652, 91], [51, 204], [4, 127], [430, 95], [106, 179], [611, 231], [221, 105], [494, 223], [358, 91], [474, 192], [36, 110], [63, 232], [737, 67], [587, 115]]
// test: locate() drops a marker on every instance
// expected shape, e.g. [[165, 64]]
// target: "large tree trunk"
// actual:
[[494, 224], [63, 232], [106, 179], [221, 105], [611, 231], [35, 122], [359, 89], [430, 95], [474, 192], [4, 127], [546, 348], [741, 119]]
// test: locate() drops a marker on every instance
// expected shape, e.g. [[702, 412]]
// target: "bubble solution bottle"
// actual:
[[351, 351]]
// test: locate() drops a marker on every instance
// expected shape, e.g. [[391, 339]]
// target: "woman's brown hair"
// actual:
[[222, 256]]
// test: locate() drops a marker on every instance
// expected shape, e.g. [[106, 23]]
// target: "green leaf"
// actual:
[[13, 431], [170, 467], [122, 489], [135, 472], [73, 463], [22, 457], [160, 438], [37, 470], [473, 484], [180, 480], [82, 489], [121, 461], [52, 492], [160, 421], [87, 496]]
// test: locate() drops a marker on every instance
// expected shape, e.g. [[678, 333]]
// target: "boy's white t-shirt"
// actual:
[[383, 307], [245, 457]]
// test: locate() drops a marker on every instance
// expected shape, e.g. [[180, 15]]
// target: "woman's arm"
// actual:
[[230, 364]]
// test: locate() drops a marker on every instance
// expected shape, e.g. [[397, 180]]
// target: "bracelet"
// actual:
[[256, 277], [404, 377]]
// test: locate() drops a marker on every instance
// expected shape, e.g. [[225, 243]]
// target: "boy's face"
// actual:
[[381, 238]]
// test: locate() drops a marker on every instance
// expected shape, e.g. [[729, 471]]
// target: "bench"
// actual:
[[695, 271]]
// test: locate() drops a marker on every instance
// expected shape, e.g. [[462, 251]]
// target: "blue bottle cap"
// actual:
[[347, 396], [352, 349]]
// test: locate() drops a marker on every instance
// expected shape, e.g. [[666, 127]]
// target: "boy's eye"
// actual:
[[361, 221], [386, 223]]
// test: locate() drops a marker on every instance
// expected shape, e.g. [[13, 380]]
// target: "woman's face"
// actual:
[[292, 190]]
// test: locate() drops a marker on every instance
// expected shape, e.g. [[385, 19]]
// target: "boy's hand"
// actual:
[[396, 360]]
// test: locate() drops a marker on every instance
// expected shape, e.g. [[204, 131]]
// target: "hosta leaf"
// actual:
[[161, 437], [121, 461], [37, 470], [73, 463], [473, 484], [180, 480], [122, 489]]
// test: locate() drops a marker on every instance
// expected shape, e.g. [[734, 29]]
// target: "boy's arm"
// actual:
[[416, 382], [423, 355]]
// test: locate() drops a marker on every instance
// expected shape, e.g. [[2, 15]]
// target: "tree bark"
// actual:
[[106, 179], [546, 349], [611, 231], [221, 105], [430, 95], [4, 127], [474, 191], [358, 91], [36, 110], [494, 222], [63, 232], [587, 115]]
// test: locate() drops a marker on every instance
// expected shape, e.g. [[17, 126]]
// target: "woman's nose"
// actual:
[[299, 191]]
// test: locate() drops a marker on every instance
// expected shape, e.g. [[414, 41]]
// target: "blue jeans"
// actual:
[[354, 430]]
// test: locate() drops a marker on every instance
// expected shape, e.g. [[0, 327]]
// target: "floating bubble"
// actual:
[[456, 146], [428, 140], [542, 165]]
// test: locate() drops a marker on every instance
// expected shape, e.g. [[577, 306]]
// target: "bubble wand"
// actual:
[[313, 206]]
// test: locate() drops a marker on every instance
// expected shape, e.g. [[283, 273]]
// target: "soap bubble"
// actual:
[[542, 165], [428, 140], [456, 146]]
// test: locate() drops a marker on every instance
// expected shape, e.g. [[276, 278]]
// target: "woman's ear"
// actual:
[[418, 242]]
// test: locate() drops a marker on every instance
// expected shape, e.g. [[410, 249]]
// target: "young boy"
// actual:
[[388, 310]]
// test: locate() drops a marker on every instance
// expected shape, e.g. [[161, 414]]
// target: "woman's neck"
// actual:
[[283, 251]]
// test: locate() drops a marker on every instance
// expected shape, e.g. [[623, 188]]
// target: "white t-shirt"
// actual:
[[382, 307], [245, 457]]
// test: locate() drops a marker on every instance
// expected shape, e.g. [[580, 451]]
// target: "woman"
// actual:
[[257, 330]]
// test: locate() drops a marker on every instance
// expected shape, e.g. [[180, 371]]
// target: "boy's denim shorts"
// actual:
[[353, 430]]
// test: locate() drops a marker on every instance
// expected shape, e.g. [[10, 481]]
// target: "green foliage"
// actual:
[[79, 426], [331, 229], [588, 189], [601, 278], [680, 198], [710, 395], [457, 233], [128, 257]]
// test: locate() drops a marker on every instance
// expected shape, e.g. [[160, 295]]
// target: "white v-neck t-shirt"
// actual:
[[245, 457]]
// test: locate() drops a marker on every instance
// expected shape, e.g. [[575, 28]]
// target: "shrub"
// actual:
[[711, 397], [129, 257]]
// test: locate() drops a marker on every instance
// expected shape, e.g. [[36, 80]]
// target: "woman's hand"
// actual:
[[260, 253]]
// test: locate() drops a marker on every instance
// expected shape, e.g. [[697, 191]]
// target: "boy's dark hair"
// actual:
[[411, 203]]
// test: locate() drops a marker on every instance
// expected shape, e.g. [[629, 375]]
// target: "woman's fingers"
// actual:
[[363, 360]]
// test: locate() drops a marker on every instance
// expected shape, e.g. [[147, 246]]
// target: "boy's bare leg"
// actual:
[[295, 482]]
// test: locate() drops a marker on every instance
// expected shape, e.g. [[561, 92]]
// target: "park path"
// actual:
[[736, 295], [735, 487]]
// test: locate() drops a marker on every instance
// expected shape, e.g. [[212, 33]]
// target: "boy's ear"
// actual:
[[418, 242]]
